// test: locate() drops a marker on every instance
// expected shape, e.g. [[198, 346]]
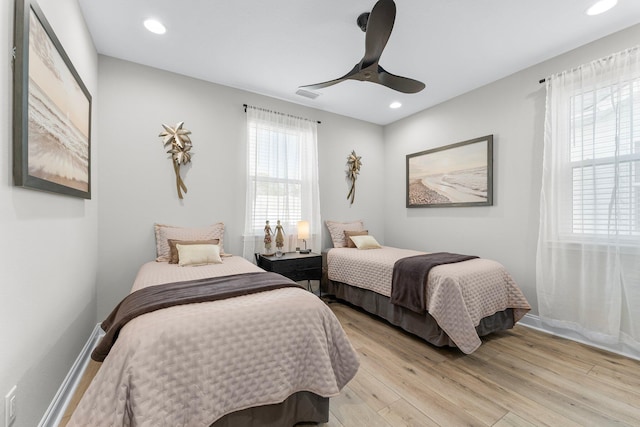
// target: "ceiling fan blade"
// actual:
[[347, 76], [379, 27], [399, 83], [323, 84]]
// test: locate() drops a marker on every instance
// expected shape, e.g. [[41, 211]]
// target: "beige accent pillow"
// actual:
[[193, 255], [173, 251], [165, 232], [337, 229], [348, 234], [366, 242]]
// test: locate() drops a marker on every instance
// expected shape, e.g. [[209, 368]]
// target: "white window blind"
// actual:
[[605, 160], [276, 176]]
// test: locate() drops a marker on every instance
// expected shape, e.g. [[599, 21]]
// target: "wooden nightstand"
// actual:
[[293, 265]]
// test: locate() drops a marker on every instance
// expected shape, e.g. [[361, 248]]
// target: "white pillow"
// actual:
[[165, 232], [198, 254], [365, 242], [337, 229]]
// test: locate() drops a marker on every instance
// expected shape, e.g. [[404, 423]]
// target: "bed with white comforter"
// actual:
[[190, 365], [459, 297]]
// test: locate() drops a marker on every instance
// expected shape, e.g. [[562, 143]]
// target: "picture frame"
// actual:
[[51, 110], [454, 175]]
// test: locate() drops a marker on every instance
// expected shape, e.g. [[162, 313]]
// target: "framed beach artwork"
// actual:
[[52, 111], [454, 175]]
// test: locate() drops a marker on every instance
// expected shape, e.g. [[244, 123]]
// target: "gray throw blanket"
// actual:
[[409, 280], [170, 294]]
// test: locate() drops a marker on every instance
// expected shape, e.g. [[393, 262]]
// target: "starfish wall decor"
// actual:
[[179, 143], [353, 165]]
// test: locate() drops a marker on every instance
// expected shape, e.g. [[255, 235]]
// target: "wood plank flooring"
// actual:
[[517, 378]]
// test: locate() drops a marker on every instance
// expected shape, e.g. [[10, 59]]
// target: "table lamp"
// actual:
[[303, 234]]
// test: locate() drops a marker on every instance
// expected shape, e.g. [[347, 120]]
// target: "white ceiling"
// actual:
[[272, 47]]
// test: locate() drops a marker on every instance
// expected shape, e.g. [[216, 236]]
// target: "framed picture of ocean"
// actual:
[[454, 175], [51, 111]]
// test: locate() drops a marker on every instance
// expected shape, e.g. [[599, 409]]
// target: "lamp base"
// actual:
[[305, 251]]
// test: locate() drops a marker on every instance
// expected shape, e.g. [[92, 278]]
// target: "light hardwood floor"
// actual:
[[520, 377]]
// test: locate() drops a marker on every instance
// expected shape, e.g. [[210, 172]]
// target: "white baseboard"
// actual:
[[58, 406], [533, 321]]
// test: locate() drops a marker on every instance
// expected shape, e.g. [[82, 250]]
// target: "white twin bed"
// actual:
[[463, 301], [270, 358]]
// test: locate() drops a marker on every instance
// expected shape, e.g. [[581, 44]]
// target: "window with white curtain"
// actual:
[[275, 175], [588, 257], [282, 179], [605, 160]]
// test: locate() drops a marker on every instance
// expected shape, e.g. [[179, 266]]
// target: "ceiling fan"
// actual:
[[377, 25]]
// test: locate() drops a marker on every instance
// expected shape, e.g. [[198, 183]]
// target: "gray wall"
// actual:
[[49, 245], [140, 185], [512, 109]]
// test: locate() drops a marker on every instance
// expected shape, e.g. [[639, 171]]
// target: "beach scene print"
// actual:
[[452, 175], [58, 129]]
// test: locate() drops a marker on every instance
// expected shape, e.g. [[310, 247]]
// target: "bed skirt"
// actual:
[[300, 407], [422, 325]]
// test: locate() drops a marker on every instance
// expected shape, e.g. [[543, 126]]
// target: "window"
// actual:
[[605, 160], [282, 179], [275, 175], [588, 257]]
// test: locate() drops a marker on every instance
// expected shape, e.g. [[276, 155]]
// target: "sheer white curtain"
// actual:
[[282, 180], [588, 259]]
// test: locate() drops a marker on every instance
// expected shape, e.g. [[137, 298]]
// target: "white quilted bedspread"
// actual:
[[458, 295], [189, 365]]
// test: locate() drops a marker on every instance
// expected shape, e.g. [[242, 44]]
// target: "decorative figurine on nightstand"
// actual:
[[279, 239], [267, 239]]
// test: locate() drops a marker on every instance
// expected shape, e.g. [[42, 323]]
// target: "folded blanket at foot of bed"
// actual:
[[409, 280]]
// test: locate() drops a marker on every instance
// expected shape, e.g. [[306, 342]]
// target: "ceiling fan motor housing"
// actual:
[[362, 21]]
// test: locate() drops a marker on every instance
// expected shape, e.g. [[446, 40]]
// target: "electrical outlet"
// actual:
[[10, 407]]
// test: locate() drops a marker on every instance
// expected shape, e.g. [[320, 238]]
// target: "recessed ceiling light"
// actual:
[[154, 26], [601, 7], [395, 105]]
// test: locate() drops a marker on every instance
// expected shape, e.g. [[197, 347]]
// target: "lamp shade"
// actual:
[[303, 230]]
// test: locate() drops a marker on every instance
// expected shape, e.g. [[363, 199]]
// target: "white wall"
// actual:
[[50, 255], [512, 109], [49, 249], [138, 189]]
